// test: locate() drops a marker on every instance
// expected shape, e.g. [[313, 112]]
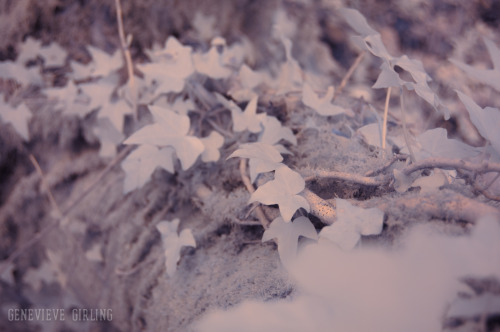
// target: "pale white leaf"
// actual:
[[172, 243], [57, 262], [80, 71], [372, 134], [115, 112], [357, 21], [352, 222], [28, 50], [244, 120], [170, 68], [480, 306], [204, 25], [212, 144], [430, 183], [283, 190], [250, 79], [290, 75], [99, 93], [402, 182], [486, 120], [7, 275], [274, 132], [435, 143], [211, 63], [19, 73], [287, 235], [142, 162], [104, 64], [170, 129], [490, 77], [262, 157], [94, 253], [322, 105], [109, 137], [182, 106], [18, 117], [54, 55]]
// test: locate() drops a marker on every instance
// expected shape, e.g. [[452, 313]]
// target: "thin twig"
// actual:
[[52, 200], [485, 193], [386, 114], [126, 55], [246, 181], [342, 176], [386, 166], [484, 167], [349, 73]]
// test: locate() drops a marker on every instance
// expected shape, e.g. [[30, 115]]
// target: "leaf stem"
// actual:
[[349, 73], [246, 181], [386, 113], [127, 56]]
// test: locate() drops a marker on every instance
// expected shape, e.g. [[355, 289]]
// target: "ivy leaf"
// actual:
[[244, 120], [290, 75], [250, 79], [352, 222], [182, 106], [212, 144], [371, 41], [287, 235], [54, 55], [430, 183], [142, 162], [49, 271], [172, 243], [170, 68], [28, 50], [283, 190], [486, 120], [69, 99], [490, 77], [402, 182], [115, 112], [262, 157], [211, 63], [19, 73], [170, 129], [99, 93], [94, 253], [109, 137], [435, 143], [390, 78], [102, 63], [274, 132], [322, 105], [18, 117]]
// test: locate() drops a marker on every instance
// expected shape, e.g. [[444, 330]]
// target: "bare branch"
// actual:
[[398, 157], [441, 205], [484, 167], [320, 208], [342, 176]]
